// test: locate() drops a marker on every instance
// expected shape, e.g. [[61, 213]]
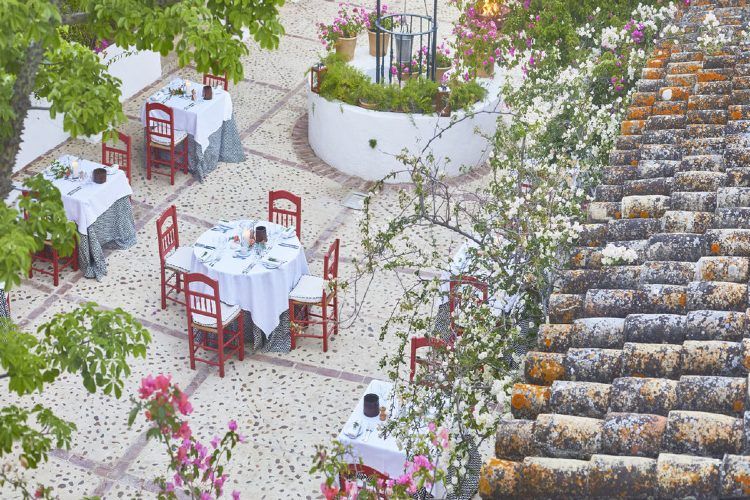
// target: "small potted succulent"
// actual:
[[370, 18], [342, 33]]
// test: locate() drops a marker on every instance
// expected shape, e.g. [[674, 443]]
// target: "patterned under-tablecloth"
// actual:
[[115, 228]]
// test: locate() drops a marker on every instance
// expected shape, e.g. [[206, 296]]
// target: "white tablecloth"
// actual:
[[86, 205], [261, 291], [202, 118], [381, 454]]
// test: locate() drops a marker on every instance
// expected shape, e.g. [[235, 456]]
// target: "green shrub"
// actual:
[[342, 82]]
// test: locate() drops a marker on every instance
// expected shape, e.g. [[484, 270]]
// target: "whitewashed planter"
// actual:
[[343, 136], [41, 133]]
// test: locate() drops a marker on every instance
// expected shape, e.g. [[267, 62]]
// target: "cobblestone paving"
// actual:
[[285, 403]]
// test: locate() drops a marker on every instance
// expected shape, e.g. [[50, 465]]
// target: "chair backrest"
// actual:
[[331, 262], [159, 122], [284, 216], [458, 294], [418, 343], [112, 155], [216, 81], [366, 474], [201, 302], [167, 232]]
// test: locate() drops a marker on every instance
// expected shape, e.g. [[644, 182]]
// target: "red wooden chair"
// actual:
[[112, 155], [48, 255], [285, 216], [458, 294], [316, 291], [418, 343], [208, 314], [163, 139], [174, 260], [216, 81], [365, 476]]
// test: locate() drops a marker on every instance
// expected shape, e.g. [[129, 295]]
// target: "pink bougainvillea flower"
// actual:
[[329, 492], [235, 495], [232, 425]]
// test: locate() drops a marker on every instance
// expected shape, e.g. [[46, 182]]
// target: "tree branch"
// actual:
[[39, 108]]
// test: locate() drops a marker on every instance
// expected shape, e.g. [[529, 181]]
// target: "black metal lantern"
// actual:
[[316, 76], [413, 45]]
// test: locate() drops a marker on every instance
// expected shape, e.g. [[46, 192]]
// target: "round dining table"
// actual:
[[258, 278]]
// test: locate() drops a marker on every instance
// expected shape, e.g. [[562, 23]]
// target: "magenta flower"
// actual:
[[235, 495], [232, 425]]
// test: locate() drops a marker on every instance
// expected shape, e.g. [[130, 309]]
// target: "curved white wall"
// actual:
[[340, 135], [41, 133]]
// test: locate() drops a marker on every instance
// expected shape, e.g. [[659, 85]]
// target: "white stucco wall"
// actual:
[[340, 135], [41, 133]]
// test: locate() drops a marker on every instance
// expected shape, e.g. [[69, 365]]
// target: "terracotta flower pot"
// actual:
[[440, 72], [486, 71], [385, 41], [367, 105], [345, 47]]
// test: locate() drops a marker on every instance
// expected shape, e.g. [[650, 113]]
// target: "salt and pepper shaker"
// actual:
[[383, 416]]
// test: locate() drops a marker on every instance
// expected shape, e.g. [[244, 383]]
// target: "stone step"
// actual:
[[618, 175], [651, 169], [707, 117], [713, 88], [565, 308], [603, 303], [592, 235], [646, 206], [715, 75], [626, 142], [717, 325], [664, 299], [694, 202], [650, 186], [655, 328], [717, 295], [603, 211], [665, 122], [664, 151], [732, 218], [730, 242], [730, 269], [683, 221], [706, 102], [697, 180], [632, 229], [627, 157], [728, 197], [667, 273], [683, 247], [740, 96], [707, 163], [666, 136], [610, 476], [608, 192]]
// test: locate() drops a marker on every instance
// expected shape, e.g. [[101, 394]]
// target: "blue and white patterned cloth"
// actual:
[[224, 145], [4, 312], [115, 228]]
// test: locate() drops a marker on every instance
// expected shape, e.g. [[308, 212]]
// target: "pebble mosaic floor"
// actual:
[[284, 403]]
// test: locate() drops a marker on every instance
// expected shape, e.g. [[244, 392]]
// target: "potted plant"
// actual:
[[370, 18], [476, 46], [342, 33], [443, 62]]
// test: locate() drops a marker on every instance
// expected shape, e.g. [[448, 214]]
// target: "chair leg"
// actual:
[[325, 326], [336, 314], [292, 325], [148, 161], [241, 330], [55, 267], [191, 346], [412, 361], [220, 342], [163, 287], [171, 166]]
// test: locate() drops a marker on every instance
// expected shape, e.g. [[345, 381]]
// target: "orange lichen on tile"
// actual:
[[632, 127], [711, 76]]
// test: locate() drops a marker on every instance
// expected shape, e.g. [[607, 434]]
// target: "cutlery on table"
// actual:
[[208, 247], [289, 245], [75, 190], [245, 271]]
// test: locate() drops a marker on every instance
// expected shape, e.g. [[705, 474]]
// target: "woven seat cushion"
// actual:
[[309, 289], [179, 260], [228, 314], [179, 136]]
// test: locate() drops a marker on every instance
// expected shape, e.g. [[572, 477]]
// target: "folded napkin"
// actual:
[[353, 430]]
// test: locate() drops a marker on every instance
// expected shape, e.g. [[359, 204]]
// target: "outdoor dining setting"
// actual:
[[434, 250]]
